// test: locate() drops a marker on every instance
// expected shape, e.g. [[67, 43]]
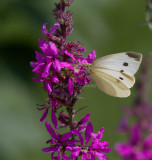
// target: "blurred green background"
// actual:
[[108, 26]]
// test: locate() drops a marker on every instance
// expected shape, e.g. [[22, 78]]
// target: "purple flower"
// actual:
[[85, 119], [53, 60], [70, 86], [60, 68], [91, 57], [46, 107], [139, 138], [52, 30], [70, 55], [46, 63], [58, 142], [137, 148], [97, 148], [123, 127], [44, 114], [80, 126], [88, 59], [48, 49]]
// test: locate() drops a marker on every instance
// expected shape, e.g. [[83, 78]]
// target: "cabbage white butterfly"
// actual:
[[114, 74]]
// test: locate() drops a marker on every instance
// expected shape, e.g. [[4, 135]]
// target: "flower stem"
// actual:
[[63, 26]]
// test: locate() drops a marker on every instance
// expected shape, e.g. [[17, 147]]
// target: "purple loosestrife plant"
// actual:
[[139, 134], [60, 67]]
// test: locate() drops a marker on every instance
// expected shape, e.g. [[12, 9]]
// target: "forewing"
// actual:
[[127, 62], [109, 84]]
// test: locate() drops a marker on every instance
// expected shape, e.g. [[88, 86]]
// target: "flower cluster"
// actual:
[[139, 144], [74, 142], [61, 70], [60, 66]]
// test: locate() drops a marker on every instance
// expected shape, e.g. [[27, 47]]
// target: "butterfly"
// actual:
[[114, 73]]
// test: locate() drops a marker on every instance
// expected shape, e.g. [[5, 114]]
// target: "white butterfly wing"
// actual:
[[127, 80], [109, 84], [127, 62]]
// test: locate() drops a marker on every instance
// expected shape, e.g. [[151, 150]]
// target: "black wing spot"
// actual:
[[125, 64], [121, 78], [134, 55], [122, 71]]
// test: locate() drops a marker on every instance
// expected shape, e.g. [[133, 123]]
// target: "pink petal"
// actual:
[[50, 130], [82, 128], [54, 78], [65, 157], [39, 57], [44, 115], [123, 149], [78, 134], [85, 119], [147, 154], [66, 136], [101, 156], [80, 82], [54, 28], [148, 142], [34, 64], [91, 57], [56, 65], [123, 125], [58, 157], [38, 67], [97, 136], [55, 103], [38, 79], [54, 119], [70, 55], [48, 59], [71, 142], [43, 45], [46, 70], [136, 134], [49, 149], [88, 132], [66, 65], [53, 49], [94, 158], [81, 50], [47, 86], [52, 154], [85, 156], [75, 153], [70, 86], [44, 30]]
